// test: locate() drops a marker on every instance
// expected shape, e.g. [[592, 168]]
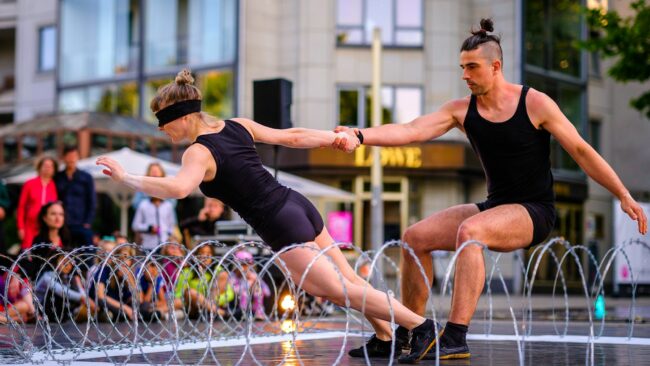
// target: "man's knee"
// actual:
[[412, 238], [409, 236], [468, 231]]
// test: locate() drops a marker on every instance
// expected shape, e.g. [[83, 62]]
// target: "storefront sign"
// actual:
[[401, 157], [416, 156]]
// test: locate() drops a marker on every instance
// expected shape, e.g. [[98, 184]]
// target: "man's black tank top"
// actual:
[[241, 182], [514, 155]]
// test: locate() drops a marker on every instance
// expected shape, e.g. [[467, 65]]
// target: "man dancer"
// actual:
[[509, 127]]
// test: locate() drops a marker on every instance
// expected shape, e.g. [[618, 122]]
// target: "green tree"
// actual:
[[627, 40]]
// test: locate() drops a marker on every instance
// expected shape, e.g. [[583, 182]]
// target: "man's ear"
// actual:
[[496, 65]]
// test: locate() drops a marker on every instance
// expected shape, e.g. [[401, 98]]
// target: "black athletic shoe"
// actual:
[[376, 348], [402, 336], [423, 339], [448, 352]]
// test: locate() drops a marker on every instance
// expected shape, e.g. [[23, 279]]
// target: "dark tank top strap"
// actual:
[[521, 107], [472, 112], [241, 130]]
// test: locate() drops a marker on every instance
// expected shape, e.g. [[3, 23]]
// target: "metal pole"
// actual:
[[376, 173]]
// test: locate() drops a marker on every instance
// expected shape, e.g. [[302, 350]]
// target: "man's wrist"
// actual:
[[359, 136], [625, 195]]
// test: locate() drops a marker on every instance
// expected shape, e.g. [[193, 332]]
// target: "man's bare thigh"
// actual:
[[439, 230], [502, 228]]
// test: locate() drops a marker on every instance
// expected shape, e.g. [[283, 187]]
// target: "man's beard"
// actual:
[[479, 92]]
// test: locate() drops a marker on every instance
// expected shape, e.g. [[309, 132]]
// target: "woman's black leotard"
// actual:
[[279, 215]]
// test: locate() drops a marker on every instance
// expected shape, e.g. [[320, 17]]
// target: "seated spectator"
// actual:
[[112, 284], [61, 293], [194, 288], [153, 303], [52, 230], [203, 224], [221, 290], [19, 304], [248, 286], [120, 239]]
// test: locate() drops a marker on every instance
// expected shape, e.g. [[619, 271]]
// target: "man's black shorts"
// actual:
[[542, 213]]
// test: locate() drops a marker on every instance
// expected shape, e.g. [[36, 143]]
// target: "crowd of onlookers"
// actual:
[[57, 208], [117, 281]]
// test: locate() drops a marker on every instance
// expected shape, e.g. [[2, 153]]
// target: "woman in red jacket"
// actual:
[[35, 193]]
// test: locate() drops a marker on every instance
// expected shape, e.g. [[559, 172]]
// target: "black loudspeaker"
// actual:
[[272, 102]]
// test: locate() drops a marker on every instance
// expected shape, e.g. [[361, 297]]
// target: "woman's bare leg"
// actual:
[[324, 240], [322, 280]]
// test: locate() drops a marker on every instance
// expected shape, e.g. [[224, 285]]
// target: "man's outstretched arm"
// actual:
[[421, 129], [554, 121]]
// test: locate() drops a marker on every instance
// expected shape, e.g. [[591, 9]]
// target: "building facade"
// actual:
[[110, 57]]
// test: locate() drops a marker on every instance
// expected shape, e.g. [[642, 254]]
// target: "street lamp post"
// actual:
[[376, 173]]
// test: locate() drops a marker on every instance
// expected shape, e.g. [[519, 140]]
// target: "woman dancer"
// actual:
[[223, 163]]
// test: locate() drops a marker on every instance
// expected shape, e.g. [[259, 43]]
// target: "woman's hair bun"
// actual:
[[184, 77]]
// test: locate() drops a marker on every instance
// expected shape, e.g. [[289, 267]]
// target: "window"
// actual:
[[10, 149], [119, 99], [197, 32], [550, 39], [29, 147], [553, 64], [99, 39], [69, 138], [594, 134], [594, 58], [6, 118], [400, 22], [217, 88], [46, 48], [98, 143], [49, 144], [399, 104], [101, 42]]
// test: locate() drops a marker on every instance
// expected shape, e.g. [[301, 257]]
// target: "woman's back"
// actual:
[[241, 181]]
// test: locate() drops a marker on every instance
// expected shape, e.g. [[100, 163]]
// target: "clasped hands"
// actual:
[[346, 139]]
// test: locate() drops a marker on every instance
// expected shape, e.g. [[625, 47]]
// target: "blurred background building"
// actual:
[[65, 57]]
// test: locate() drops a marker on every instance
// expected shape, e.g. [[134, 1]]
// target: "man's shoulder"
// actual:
[[536, 97], [538, 105], [459, 103]]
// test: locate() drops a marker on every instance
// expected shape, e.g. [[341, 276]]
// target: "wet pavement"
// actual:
[[548, 340]]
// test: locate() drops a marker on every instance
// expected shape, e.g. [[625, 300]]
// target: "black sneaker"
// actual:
[[402, 336], [447, 350], [423, 339], [376, 348]]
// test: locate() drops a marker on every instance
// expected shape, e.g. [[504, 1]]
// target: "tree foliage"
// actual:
[[628, 41]]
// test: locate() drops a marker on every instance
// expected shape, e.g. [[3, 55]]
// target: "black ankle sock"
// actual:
[[455, 333], [428, 323]]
